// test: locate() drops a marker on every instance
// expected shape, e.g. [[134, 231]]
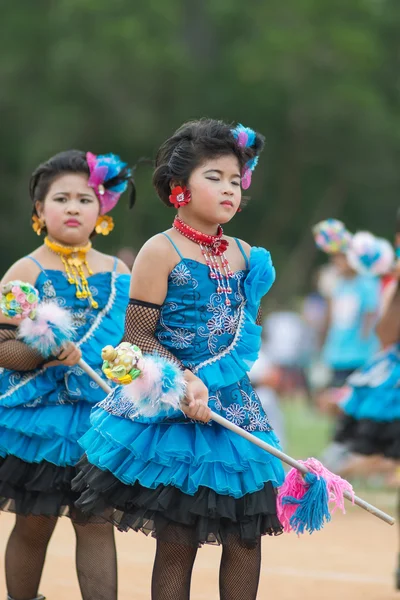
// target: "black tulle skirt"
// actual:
[[37, 489], [171, 515], [369, 437]]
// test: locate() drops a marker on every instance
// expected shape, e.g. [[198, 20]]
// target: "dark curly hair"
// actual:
[[70, 161], [192, 144]]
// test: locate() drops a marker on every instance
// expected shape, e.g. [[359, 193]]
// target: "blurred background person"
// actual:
[[348, 338], [288, 346], [266, 379]]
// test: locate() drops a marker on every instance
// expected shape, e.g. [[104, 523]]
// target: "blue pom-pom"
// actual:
[[313, 508]]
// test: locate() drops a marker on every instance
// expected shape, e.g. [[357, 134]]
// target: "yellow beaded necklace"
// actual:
[[74, 259]]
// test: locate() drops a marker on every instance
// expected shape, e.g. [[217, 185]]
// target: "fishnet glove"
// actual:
[[16, 355], [140, 326]]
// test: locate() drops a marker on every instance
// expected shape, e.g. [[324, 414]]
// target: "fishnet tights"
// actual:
[[16, 355], [25, 555], [172, 572], [96, 562], [238, 577], [239, 573], [140, 327]]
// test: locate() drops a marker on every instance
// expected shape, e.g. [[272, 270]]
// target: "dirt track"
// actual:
[[353, 558]]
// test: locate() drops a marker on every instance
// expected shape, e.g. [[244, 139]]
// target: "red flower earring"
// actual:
[[180, 196]]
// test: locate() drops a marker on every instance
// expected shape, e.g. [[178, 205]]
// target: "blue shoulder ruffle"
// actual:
[[259, 279], [233, 363]]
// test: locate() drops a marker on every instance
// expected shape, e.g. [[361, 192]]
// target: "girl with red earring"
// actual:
[[195, 297]]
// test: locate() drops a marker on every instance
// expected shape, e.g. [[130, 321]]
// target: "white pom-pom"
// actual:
[[370, 255], [159, 390], [51, 328]]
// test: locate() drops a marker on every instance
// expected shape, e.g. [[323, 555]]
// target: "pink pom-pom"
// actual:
[[295, 486]]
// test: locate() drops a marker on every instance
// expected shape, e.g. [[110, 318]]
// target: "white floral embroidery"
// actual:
[[182, 338], [249, 416], [259, 423], [231, 324], [180, 275], [215, 326], [236, 414], [223, 320], [227, 350]]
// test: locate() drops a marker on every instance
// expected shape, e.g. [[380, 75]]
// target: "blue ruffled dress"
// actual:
[[371, 422], [153, 473], [44, 412]]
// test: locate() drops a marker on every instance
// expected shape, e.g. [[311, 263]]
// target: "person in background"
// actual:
[[349, 339], [266, 378]]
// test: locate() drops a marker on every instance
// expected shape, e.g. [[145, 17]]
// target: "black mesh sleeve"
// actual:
[[259, 316], [16, 355], [140, 326]]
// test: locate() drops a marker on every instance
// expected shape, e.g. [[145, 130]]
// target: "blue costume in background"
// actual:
[[371, 424]]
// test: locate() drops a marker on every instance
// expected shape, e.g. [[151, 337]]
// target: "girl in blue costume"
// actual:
[[195, 299], [370, 425], [45, 407], [371, 421]]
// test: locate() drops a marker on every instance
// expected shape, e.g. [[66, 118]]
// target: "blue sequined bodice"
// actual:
[[219, 343], [195, 322], [95, 328], [53, 285]]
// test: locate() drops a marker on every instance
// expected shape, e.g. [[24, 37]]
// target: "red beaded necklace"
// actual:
[[212, 247]]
